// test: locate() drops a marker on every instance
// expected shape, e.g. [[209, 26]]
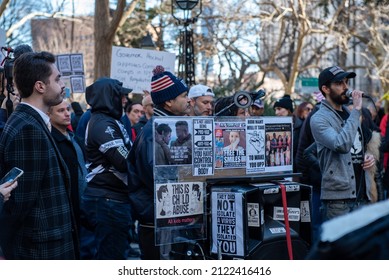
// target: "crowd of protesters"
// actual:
[[87, 191]]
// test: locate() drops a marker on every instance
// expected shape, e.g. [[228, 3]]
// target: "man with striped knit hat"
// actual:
[[170, 97]]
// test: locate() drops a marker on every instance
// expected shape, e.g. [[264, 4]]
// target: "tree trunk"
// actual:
[[105, 29], [102, 43]]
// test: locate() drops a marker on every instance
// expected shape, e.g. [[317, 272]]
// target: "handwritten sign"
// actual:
[[133, 67]]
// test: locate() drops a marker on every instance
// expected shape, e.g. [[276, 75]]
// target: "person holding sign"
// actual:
[[170, 96]]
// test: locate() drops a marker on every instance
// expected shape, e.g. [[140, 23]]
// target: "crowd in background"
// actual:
[[88, 187]]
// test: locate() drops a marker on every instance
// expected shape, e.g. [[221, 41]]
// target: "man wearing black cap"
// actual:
[[170, 97], [105, 199], [340, 145]]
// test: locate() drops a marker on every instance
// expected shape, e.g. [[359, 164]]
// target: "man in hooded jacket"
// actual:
[[105, 199]]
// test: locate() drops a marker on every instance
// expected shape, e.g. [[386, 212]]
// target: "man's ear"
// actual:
[[40, 86], [325, 89], [168, 103]]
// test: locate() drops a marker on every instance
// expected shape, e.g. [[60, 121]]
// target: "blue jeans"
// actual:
[[316, 217], [110, 219], [333, 208]]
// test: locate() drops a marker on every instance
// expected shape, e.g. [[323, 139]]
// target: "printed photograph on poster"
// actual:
[[203, 147], [77, 63], [230, 145], [77, 83], [227, 223], [278, 146], [255, 142], [253, 214], [63, 62], [172, 142], [179, 204]]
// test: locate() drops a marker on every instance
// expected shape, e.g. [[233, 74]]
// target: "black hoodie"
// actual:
[[107, 142]]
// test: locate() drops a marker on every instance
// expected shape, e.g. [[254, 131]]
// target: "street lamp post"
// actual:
[[185, 13], [147, 42]]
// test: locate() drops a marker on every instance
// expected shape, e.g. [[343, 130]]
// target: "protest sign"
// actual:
[[134, 67], [227, 223], [255, 143], [230, 145], [203, 147], [71, 67]]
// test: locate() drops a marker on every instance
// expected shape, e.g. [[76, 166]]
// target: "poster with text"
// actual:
[[253, 213], [203, 147], [278, 145], [255, 143], [134, 67], [230, 145], [227, 223], [179, 204]]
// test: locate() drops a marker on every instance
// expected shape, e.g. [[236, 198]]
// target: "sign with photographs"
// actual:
[[230, 145], [179, 208], [279, 155], [71, 67], [173, 141]]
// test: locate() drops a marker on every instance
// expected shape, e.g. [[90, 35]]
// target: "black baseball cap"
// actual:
[[125, 91], [334, 74]]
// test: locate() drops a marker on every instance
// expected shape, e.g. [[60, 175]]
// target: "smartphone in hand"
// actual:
[[12, 175]]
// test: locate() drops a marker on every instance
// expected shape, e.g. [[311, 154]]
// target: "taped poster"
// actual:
[[253, 214], [278, 135], [255, 142], [203, 147], [179, 204], [172, 141], [227, 223], [230, 145]]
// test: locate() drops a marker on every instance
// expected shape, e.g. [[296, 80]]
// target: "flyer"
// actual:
[[230, 145], [179, 204], [172, 141], [203, 147], [227, 223], [255, 142], [278, 134]]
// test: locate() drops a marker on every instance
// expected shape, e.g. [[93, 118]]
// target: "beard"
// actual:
[[340, 99]]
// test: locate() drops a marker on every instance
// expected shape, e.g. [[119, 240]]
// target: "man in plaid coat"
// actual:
[[37, 222]]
